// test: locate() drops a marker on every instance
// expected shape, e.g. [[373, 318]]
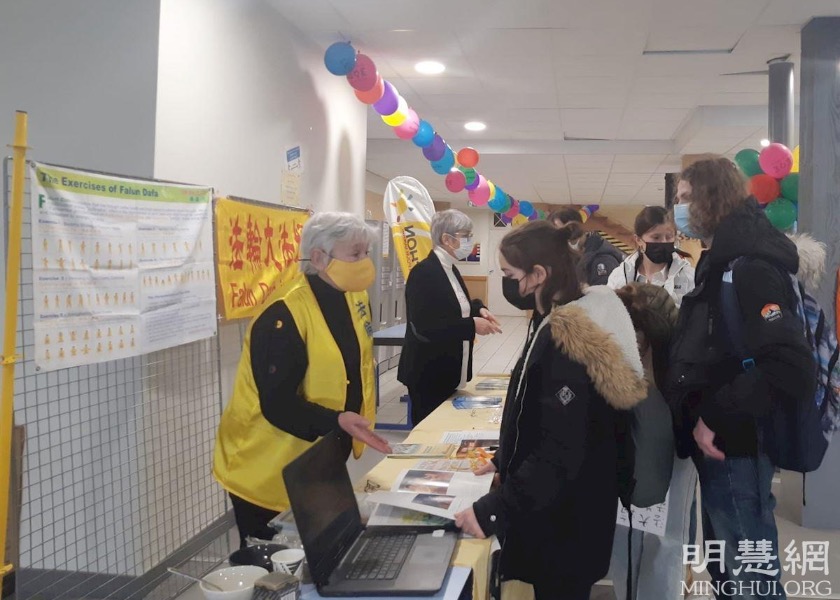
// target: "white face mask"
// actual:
[[464, 249], [575, 245]]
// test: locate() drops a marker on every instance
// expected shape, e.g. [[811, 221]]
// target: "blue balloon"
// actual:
[[425, 134], [447, 161], [500, 202], [340, 58], [526, 209]]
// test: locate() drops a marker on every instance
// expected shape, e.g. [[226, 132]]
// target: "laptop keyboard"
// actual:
[[382, 557]]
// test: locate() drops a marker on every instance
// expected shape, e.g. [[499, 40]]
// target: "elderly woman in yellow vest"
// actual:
[[306, 369]]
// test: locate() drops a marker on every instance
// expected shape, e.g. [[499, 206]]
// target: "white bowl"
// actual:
[[237, 583]]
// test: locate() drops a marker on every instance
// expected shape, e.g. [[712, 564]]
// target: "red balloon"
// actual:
[[455, 181], [765, 188], [364, 75], [514, 209], [373, 94], [468, 157]]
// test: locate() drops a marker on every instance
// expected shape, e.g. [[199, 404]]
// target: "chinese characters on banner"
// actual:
[[256, 251], [650, 520], [121, 267]]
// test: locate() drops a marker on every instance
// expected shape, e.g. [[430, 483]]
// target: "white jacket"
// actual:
[[679, 279]]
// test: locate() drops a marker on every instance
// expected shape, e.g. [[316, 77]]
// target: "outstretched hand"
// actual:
[[359, 428]]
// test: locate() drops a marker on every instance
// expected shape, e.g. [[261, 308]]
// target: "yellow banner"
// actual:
[[256, 252], [409, 210]]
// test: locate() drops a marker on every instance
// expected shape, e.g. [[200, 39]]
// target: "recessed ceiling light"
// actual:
[[429, 67], [764, 143], [475, 126]]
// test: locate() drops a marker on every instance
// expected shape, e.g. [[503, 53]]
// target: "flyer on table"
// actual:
[[121, 266]]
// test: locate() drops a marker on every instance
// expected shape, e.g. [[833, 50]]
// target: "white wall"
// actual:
[[86, 71], [237, 85]]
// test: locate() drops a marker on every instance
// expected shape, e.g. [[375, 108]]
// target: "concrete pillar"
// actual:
[[780, 125], [819, 215]]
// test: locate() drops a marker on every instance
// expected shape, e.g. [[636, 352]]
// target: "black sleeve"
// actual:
[[608, 265], [279, 363], [538, 483], [428, 320], [784, 364], [475, 307]]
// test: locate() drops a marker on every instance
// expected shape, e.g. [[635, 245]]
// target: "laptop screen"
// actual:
[[323, 503]]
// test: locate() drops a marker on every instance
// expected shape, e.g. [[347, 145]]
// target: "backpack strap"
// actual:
[[732, 319]]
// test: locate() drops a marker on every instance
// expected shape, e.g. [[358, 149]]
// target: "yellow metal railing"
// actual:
[[10, 357]]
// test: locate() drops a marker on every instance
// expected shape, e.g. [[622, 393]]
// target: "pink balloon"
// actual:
[[409, 127], [455, 181], [514, 209], [364, 75], [481, 194], [776, 160]]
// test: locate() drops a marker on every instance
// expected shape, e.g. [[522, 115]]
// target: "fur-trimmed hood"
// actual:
[[811, 260], [596, 331]]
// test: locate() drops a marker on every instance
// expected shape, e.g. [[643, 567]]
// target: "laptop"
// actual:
[[344, 557]]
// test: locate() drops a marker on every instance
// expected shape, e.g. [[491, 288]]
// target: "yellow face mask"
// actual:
[[356, 276]]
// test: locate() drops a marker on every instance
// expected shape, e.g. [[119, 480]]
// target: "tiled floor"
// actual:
[[496, 355]]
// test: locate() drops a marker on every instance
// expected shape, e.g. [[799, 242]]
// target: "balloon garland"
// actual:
[[457, 168], [774, 181]]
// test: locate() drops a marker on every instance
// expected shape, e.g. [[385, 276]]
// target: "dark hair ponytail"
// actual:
[[540, 243]]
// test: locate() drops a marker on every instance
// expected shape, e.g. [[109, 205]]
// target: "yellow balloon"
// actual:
[[795, 168], [399, 117], [492, 187], [519, 220]]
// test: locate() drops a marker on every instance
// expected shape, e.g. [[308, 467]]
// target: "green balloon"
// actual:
[[747, 161], [469, 173], [782, 213], [790, 187]]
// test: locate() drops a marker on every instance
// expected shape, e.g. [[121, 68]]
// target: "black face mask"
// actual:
[[510, 290], [659, 253]]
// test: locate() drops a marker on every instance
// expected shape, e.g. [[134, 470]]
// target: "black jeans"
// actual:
[[251, 520], [424, 403]]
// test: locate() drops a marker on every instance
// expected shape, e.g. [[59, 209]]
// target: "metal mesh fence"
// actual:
[[116, 467]]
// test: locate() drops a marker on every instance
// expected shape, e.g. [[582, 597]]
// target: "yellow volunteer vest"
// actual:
[[250, 452]]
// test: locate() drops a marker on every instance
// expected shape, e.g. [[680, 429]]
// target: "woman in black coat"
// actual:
[[554, 509], [436, 357]]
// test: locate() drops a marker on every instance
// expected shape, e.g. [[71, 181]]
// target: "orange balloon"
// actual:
[[373, 94], [468, 157]]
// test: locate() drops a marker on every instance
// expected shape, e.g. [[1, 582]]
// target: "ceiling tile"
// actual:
[[530, 44], [636, 163], [591, 123], [713, 37], [642, 99], [623, 42], [784, 12], [679, 14]]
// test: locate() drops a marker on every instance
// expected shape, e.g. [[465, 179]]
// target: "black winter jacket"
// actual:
[[599, 259], [706, 377], [559, 452], [433, 351]]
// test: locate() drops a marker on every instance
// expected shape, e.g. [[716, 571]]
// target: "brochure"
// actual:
[[469, 402], [394, 516], [439, 493], [421, 450], [495, 383]]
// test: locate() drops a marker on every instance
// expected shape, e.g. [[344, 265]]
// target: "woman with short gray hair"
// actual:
[[436, 358], [306, 370]]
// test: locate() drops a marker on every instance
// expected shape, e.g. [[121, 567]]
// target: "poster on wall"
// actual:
[[474, 256], [256, 252], [121, 267], [408, 208]]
